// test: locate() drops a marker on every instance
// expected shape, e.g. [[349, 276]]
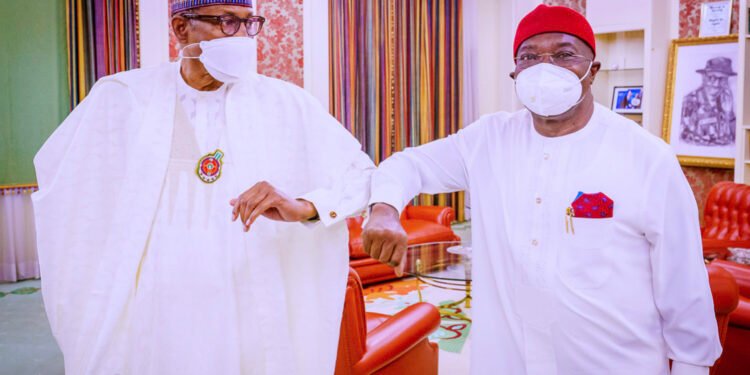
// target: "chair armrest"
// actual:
[[740, 272], [741, 315], [724, 289], [397, 335], [437, 214]]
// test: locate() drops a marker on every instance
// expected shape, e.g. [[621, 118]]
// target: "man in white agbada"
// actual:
[[585, 236], [153, 259]]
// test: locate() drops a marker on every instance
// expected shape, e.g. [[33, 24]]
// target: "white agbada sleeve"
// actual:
[[680, 279], [81, 169], [350, 190]]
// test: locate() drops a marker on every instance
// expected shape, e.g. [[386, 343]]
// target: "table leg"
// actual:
[[419, 271], [419, 290]]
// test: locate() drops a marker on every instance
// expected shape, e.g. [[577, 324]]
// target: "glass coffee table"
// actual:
[[445, 265]]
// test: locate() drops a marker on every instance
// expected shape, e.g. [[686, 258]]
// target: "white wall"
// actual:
[[485, 54], [492, 54], [608, 16], [662, 28], [154, 32], [315, 45]]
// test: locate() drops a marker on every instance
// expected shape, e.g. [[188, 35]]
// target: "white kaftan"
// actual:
[[621, 295]]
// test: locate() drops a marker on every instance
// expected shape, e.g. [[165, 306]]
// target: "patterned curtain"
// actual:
[[396, 74], [102, 40]]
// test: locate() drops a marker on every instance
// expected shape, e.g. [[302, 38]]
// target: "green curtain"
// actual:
[[34, 96]]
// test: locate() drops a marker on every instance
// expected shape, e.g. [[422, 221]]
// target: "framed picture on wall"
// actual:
[[627, 99], [700, 106], [715, 18]]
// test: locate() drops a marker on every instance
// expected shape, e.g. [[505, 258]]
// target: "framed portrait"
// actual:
[[627, 99], [700, 106]]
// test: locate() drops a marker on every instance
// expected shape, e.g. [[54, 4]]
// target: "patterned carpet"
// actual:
[[390, 298], [20, 291]]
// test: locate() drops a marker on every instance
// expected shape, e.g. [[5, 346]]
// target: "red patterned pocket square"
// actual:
[[593, 206]]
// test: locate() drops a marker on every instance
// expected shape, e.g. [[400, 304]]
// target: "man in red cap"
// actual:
[[169, 210], [586, 244]]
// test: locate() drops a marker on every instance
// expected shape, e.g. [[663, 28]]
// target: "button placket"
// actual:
[[555, 209], [538, 245]]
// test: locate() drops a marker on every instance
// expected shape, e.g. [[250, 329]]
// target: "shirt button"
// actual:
[[534, 242], [539, 201], [546, 156], [333, 214]]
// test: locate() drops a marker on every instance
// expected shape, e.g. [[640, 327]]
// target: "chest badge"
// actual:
[[209, 167]]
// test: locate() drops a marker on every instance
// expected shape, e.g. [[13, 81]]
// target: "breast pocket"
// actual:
[[584, 261]]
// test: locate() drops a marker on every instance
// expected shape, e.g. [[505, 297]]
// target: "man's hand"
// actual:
[[264, 199], [384, 238]]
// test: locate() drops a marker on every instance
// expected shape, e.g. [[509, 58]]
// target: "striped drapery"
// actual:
[[102, 40], [396, 74]]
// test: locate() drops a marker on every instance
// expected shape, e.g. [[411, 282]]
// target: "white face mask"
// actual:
[[229, 59], [549, 90]]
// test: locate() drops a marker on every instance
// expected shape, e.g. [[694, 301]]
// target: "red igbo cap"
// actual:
[[554, 19]]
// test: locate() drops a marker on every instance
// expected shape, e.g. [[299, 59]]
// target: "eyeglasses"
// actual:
[[713, 78], [230, 24], [562, 59]]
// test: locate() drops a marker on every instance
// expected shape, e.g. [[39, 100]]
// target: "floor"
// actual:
[[28, 348], [26, 343]]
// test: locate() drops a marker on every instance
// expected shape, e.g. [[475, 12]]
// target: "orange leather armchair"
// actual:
[[735, 359], [725, 294], [380, 344], [726, 219], [422, 224]]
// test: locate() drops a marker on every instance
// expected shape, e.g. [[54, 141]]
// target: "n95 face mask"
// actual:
[[549, 90], [228, 60]]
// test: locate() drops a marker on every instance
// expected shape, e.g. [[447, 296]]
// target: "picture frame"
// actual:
[[716, 17], [627, 99], [699, 106]]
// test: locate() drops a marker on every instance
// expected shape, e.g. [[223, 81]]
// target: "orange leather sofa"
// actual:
[[735, 359], [726, 219], [380, 344], [423, 224]]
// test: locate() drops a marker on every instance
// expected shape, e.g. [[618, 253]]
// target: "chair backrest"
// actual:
[[727, 212], [353, 336], [725, 294]]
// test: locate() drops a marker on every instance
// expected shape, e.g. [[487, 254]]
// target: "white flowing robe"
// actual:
[[101, 175], [620, 296]]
